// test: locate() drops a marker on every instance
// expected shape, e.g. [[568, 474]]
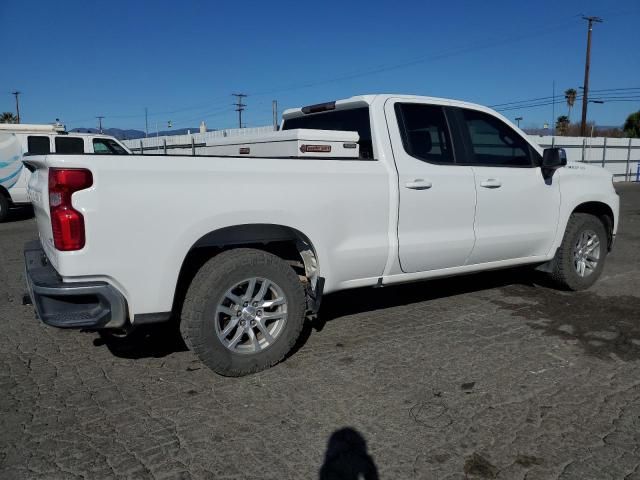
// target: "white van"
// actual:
[[21, 139]]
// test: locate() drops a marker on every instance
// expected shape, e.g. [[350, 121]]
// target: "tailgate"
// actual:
[[38, 190]]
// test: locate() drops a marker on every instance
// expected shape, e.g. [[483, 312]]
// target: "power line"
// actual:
[[205, 116], [606, 99], [608, 92], [529, 100], [383, 68], [615, 89], [424, 58]]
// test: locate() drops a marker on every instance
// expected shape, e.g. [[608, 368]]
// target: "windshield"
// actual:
[[352, 120]]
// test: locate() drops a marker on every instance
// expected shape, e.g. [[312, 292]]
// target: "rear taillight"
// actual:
[[66, 222]]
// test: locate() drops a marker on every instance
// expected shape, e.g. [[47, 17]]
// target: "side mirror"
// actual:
[[553, 158]]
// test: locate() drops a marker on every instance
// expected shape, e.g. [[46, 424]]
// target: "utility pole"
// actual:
[[146, 122], [16, 93], [274, 106], [553, 110], [587, 65], [100, 117], [518, 119], [239, 106]]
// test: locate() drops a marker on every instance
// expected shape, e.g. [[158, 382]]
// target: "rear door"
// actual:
[[517, 208], [437, 196]]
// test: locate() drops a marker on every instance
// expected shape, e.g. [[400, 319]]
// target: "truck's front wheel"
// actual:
[[243, 312], [580, 259]]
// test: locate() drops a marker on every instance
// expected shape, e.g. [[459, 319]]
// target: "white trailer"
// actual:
[[18, 140]]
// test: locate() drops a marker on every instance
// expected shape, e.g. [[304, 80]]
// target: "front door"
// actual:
[[517, 207], [437, 197]]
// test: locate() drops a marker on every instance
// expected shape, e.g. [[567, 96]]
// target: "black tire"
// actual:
[[206, 292], [564, 273], [4, 207]]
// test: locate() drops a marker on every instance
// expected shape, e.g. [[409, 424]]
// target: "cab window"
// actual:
[[494, 143], [69, 145], [351, 120], [107, 146], [38, 145], [424, 131]]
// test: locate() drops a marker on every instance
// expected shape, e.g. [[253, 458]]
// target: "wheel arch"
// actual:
[[5, 193], [286, 242], [603, 212]]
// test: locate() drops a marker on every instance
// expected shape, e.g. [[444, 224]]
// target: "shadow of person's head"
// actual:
[[347, 458]]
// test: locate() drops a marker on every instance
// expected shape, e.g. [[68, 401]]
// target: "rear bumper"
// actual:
[[90, 305]]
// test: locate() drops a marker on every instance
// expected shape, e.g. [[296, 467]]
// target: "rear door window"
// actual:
[[69, 145], [38, 145], [351, 120], [425, 133]]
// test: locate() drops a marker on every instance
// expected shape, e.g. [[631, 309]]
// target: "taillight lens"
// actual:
[[66, 222]]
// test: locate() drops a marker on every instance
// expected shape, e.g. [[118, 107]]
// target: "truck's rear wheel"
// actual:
[[4, 207], [580, 259], [243, 312]]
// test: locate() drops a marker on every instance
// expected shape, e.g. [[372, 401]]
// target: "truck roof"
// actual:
[[32, 127], [46, 128], [366, 100]]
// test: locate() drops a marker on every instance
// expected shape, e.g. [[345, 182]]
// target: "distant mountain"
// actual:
[[119, 133], [130, 134]]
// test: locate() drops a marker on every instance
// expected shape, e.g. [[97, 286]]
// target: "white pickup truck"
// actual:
[[240, 249]]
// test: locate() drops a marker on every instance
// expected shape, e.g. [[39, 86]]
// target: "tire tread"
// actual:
[[210, 278], [563, 274]]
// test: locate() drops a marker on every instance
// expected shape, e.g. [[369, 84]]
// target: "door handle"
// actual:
[[491, 183], [418, 184]]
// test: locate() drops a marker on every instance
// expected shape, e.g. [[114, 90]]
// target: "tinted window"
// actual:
[[108, 146], [494, 142], [352, 120], [69, 145], [38, 145], [424, 131]]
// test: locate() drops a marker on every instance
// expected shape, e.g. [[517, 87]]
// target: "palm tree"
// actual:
[[570, 96], [562, 124], [8, 117], [632, 125]]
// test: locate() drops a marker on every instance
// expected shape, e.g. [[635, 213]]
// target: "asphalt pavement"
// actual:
[[485, 376]]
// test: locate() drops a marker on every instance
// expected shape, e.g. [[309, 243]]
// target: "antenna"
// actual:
[[100, 117]]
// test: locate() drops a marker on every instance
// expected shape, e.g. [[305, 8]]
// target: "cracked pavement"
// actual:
[[485, 376]]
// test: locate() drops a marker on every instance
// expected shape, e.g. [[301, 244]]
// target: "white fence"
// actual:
[[620, 156], [188, 144]]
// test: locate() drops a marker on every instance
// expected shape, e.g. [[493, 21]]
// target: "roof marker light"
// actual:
[[319, 107]]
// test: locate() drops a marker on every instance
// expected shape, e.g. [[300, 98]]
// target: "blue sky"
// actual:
[[183, 59]]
